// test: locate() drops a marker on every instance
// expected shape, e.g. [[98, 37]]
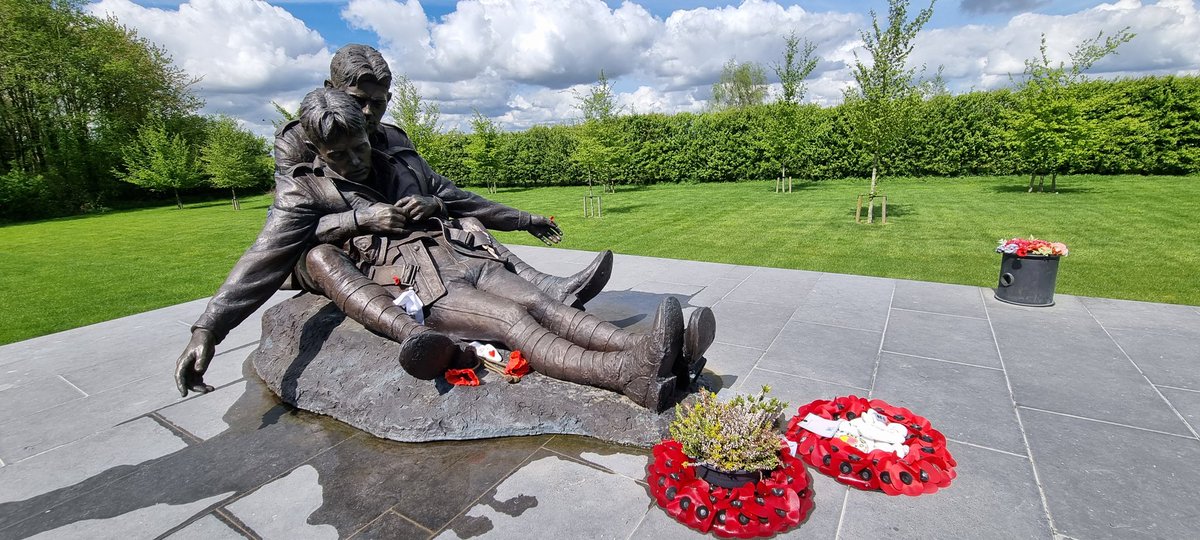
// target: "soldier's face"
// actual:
[[373, 98], [348, 155]]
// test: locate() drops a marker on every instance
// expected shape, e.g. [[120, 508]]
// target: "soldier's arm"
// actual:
[[288, 232]]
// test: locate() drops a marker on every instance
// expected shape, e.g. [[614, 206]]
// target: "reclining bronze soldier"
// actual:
[[359, 70], [467, 291]]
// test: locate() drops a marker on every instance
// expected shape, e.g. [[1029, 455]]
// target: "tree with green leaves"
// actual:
[[599, 102], [794, 71], [283, 116], [882, 104], [483, 150], [740, 85], [74, 89], [234, 158], [159, 161], [1048, 123], [420, 119]]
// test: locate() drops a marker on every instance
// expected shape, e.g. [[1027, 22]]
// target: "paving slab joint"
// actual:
[[236, 524]]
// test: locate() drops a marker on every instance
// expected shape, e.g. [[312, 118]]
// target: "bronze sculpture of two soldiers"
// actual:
[[361, 218]]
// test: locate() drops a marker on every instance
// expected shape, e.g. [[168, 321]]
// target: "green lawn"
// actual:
[[1130, 237]]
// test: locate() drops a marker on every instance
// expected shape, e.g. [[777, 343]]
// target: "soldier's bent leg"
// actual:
[[581, 328], [642, 372], [591, 332], [427, 353], [575, 290]]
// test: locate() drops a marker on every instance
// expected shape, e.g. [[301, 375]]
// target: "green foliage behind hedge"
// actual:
[[1142, 126]]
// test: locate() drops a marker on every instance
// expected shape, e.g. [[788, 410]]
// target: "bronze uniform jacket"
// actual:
[[314, 205]]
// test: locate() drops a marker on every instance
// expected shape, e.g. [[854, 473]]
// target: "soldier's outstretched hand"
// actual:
[[545, 229], [190, 368]]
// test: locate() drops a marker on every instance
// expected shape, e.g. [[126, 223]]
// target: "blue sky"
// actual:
[[522, 62]]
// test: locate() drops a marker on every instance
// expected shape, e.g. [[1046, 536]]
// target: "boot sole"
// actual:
[[699, 336], [428, 355]]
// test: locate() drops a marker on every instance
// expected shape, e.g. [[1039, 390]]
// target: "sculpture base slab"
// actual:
[[317, 359]]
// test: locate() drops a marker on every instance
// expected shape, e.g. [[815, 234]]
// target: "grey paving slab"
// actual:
[[77, 419], [564, 498], [715, 291], [849, 301], [629, 271], [634, 309], [1104, 481], [539, 256], [1145, 316], [1168, 359], [107, 373], [966, 403], [776, 287], [994, 496], [117, 338], [207, 528], [391, 526], [281, 509], [821, 522], [695, 272], [265, 441], [204, 415], [796, 391], [828, 353], [1186, 402], [128, 444], [730, 363], [961, 300], [626, 461], [1072, 366], [39, 394], [748, 325], [945, 337], [142, 523], [428, 483]]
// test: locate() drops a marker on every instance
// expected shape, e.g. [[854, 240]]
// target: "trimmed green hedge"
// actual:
[[1139, 126]]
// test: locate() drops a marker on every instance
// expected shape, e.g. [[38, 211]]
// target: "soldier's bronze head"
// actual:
[[361, 72], [337, 131]]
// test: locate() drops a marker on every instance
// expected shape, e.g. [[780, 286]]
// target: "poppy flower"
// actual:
[[517, 365], [462, 377]]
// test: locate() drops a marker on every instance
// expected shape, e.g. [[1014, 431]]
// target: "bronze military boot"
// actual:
[[642, 372], [699, 336], [574, 290]]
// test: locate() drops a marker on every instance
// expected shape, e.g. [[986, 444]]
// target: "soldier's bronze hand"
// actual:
[[545, 229], [190, 368], [419, 207], [382, 219]]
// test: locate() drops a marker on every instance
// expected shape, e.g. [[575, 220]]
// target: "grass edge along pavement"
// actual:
[[1131, 237]]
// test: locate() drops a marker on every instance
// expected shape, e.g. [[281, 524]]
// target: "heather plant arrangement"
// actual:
[[737, 435]]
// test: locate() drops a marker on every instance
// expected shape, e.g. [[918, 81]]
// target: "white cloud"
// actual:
[[246, 52], [696, 43], [519, 60], [543, 42], [984, 57]]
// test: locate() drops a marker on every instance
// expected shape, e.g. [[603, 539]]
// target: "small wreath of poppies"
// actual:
[[927, 467], [777, 502]]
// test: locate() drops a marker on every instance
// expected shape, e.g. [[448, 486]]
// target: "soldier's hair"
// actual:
[[327, 114], [354, 62]]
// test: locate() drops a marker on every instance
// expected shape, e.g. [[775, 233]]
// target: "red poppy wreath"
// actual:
[[780, 500], [872, 445]]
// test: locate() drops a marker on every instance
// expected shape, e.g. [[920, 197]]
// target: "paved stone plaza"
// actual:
[[1074, 421]]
